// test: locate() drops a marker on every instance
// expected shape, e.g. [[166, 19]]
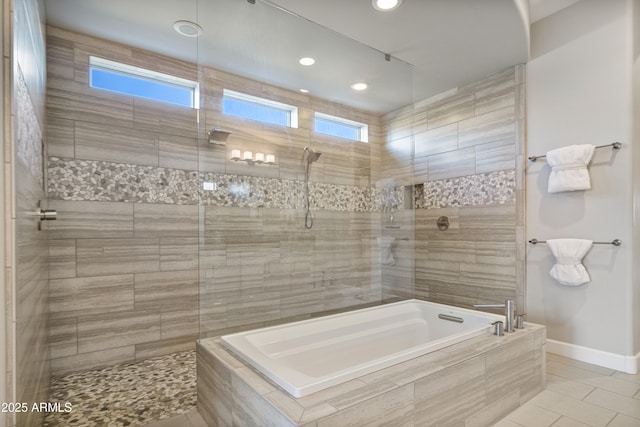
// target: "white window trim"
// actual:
[[363, 135], [118, 67], [290, 109]]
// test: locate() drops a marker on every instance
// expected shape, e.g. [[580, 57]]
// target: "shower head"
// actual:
[[312, 156], [218, 135]]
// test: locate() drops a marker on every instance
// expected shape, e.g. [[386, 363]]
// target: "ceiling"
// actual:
[[434, 45]]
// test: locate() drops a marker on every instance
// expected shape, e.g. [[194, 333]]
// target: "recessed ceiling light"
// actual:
[[187, 28], [307, 61], [304, 90], [359, 86], [386, 5]]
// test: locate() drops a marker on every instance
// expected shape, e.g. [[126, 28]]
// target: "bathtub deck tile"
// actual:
[[250, 409], [366, 392], [287, 404], [318, 398], [449, 383], [409, 371], [494, 412], [316, 412], [451, 395], [254, 380], [394, 408]]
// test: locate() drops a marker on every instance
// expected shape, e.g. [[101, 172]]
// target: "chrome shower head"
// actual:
[[312, 156]]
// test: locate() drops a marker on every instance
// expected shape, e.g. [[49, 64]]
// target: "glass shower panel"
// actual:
[[302, 234]]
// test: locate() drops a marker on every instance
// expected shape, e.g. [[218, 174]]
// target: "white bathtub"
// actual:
[[311, 355]]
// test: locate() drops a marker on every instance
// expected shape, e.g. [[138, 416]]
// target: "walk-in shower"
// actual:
[[311, 156]]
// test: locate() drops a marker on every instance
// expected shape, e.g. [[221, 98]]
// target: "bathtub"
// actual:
[[311, 355]]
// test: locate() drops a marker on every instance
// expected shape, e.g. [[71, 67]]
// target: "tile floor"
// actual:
[[577, 394], [127, 395], [580, 394]]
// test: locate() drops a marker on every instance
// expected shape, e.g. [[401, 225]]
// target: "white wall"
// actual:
[[579, 91]]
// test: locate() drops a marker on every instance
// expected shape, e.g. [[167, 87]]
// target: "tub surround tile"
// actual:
[[397, 395], [451, 395], [495, 411], [394, 408]]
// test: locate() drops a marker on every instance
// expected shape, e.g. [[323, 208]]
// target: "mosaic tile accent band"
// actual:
[[91, 180], [493, 188]]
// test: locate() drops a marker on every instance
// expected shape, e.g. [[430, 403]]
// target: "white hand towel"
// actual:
[[386, 256], [569, 168], [568, 269]]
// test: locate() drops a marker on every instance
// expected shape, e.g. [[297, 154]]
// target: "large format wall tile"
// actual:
[[126, 176], [117, 256]]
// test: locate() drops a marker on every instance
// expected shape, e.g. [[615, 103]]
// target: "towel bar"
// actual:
[[614, 242], [614, 145]]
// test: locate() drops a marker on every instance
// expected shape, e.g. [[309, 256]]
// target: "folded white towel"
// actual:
[[569, 168], [386, 256], [568, 269]]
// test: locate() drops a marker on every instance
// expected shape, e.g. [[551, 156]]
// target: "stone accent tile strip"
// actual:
[[493, 188], [93, 180]]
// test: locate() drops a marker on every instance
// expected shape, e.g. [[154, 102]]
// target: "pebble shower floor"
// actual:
[[127, 395]]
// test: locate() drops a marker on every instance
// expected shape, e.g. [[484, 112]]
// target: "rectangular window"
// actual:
[[260, 109], [342, 128], [123, 78]]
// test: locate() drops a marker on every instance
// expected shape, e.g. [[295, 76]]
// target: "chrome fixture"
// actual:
[[509, 312], [451, 318], [520, 321], [443, 223], [218, 135], [499, 328], [45, 214], [312, 156], [614, 242], [613, 145]]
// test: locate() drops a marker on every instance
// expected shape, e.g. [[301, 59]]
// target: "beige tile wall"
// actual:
[[152, 277], [467, 131], [26, 253], [134, 280]]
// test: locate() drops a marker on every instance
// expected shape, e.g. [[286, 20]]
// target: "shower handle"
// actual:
[[48, 214]]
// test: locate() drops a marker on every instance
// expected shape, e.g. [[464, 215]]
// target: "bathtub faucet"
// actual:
[[509, 312]]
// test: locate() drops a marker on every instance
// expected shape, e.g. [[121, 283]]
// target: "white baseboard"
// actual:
[[627, 364]]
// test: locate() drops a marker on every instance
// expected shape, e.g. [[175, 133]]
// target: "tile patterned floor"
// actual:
[[160, 392], [127, 395], [579, 394]]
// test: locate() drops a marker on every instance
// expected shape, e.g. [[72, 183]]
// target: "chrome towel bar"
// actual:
[[614, 242], [614, 145]]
